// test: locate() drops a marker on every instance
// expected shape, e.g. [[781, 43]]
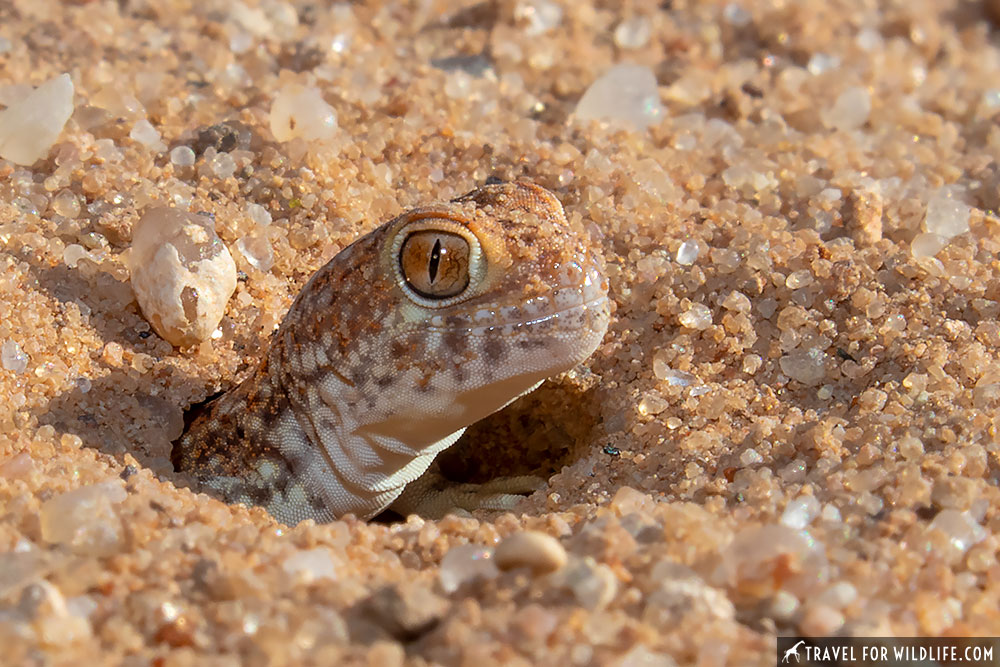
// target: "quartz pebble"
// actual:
[[633, 33], [756, 552], [182, 156], [800, 512], [258, 214], [927, 245], [698, 316], [807, 366], [538, 16], [12, 357], [73, 253], [466, 563], [85, 519], [257, 250], [625, 93], [51, 617], [144, 133], [947, 216], [687, 253], [30, 126], [66, 204], [681, 592], [182, 274], [301, 113], [537, 551], [849, 111], [592, 584], [961, 528], [311, 564]]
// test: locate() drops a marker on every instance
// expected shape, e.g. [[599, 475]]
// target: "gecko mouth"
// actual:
[[535, 315]]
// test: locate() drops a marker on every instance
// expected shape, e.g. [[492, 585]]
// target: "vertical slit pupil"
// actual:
[[435, 261]]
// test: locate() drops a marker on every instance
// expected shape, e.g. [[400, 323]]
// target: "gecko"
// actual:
[[434, 320]]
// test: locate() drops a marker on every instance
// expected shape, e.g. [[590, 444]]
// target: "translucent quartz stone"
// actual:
[[12, 357], [625, 93], [182, 156], [144, 133], [806, 366], [633, 33], [30, 126], [800, 512], [300, 112], [946, 215], [698, 316], [687, 253], [849, 111], [465, 563]]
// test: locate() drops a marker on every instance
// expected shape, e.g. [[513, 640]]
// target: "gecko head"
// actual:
[[495, 292]]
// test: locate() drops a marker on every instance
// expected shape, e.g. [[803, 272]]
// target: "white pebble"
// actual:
[[947, 216], [652, 404], [821, 62], [73, 253], [537, 551], [737, 301], [593, 584], [839, 595], [465, 563], [633, 33], [12, 357], [106, 150], [687, 253], [311, 564], [144, 133], [300, 112], [800, 512], [66, 204], [698, 316], [625, 93], [962, 530], [85, 519], [30, 126], [222, 165], [538, 16], [850, 110], [927, 245], [182, 274], [671, 376], [797, 279], [182, 156], [807, 366], [257, 250], [260, 215]]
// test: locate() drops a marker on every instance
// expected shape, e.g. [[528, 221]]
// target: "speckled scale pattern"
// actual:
[[365, 381]]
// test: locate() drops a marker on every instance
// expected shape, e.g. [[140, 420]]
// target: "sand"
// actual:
[[791, 426]]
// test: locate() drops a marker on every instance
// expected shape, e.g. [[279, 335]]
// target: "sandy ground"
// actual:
[[791, 426]]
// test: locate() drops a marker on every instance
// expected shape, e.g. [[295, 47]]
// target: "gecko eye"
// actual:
[[435, 264]]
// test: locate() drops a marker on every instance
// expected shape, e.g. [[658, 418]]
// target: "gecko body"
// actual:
[[429, 323]]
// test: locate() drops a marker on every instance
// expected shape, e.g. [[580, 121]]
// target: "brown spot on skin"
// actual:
[[494, 349], [456, 342]]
